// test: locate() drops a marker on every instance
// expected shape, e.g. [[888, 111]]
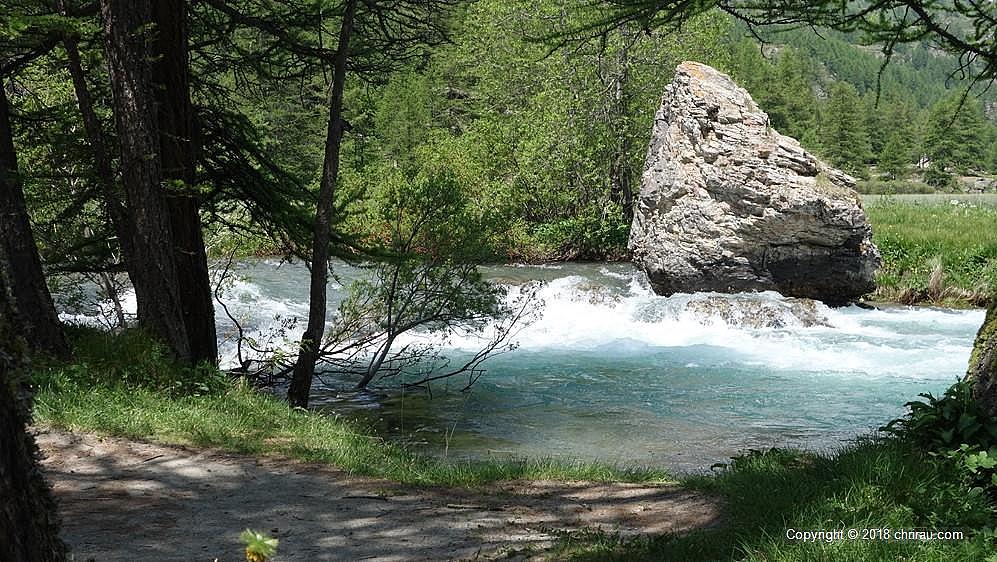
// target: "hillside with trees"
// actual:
[[912, 124], [548, 128]]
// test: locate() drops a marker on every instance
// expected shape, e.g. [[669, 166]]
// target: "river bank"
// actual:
[[240, 464], [611, 373]]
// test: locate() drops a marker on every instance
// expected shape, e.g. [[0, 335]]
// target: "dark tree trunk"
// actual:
[[177, 134], [195, 284], [29, 523], [102, 158], [37, 319], [128, 41], [983, 363], [621, 172], [311, 340]]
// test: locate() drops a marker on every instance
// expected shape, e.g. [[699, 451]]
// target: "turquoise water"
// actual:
[[612, 372]]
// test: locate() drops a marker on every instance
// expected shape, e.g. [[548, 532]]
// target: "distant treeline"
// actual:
[[875, 120], [545, 129]]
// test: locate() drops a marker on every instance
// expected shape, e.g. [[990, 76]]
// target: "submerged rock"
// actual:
[[740, 311], [728, 204], [758, 314]]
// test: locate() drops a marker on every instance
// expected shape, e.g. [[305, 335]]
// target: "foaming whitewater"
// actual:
[[581, 313], [611, 307], [611, 371]]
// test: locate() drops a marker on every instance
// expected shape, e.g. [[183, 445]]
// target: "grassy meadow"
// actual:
[[935, 251]]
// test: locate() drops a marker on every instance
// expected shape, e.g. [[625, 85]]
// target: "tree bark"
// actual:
[[36, 319], [95, 137], [29, 521], [308, 350], [620, 171], [128, 42], [983, 363], [177, 136], [101, 156]]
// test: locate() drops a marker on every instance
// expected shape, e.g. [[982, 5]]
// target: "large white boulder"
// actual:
[[728, 204]]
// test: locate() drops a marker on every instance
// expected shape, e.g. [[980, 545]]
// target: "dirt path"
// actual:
[[125, 500]]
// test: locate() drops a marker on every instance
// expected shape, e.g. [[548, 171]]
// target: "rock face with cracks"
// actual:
[[728, 204]]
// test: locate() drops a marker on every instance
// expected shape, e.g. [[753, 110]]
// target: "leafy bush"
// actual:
[[131, 359], [980, 464], [947, 422], [594, 234], [954, 427], [938, 177]]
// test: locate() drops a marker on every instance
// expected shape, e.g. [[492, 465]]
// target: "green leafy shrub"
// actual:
[[948, 421], [938, 177], [594, 234], [131, 359], [980, 464], [954, 427], [259, 547]]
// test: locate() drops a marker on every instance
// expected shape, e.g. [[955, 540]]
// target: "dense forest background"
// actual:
[[547, 141]]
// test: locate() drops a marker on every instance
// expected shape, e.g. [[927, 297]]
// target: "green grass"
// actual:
[[247, 421], [978, 199], [104, 392], [956, 243], [877, 484]]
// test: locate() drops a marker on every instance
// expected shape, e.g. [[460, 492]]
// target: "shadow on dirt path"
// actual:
[[127, 500]]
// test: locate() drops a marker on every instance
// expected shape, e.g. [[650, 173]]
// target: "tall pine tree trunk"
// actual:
[[29, 523], [102, 157], [311, 341], [129, 33], [37, 319], [983, 363], [177, 134], [620, 170]]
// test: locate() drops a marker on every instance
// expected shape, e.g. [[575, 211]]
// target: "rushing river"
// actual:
[[612, 372]]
